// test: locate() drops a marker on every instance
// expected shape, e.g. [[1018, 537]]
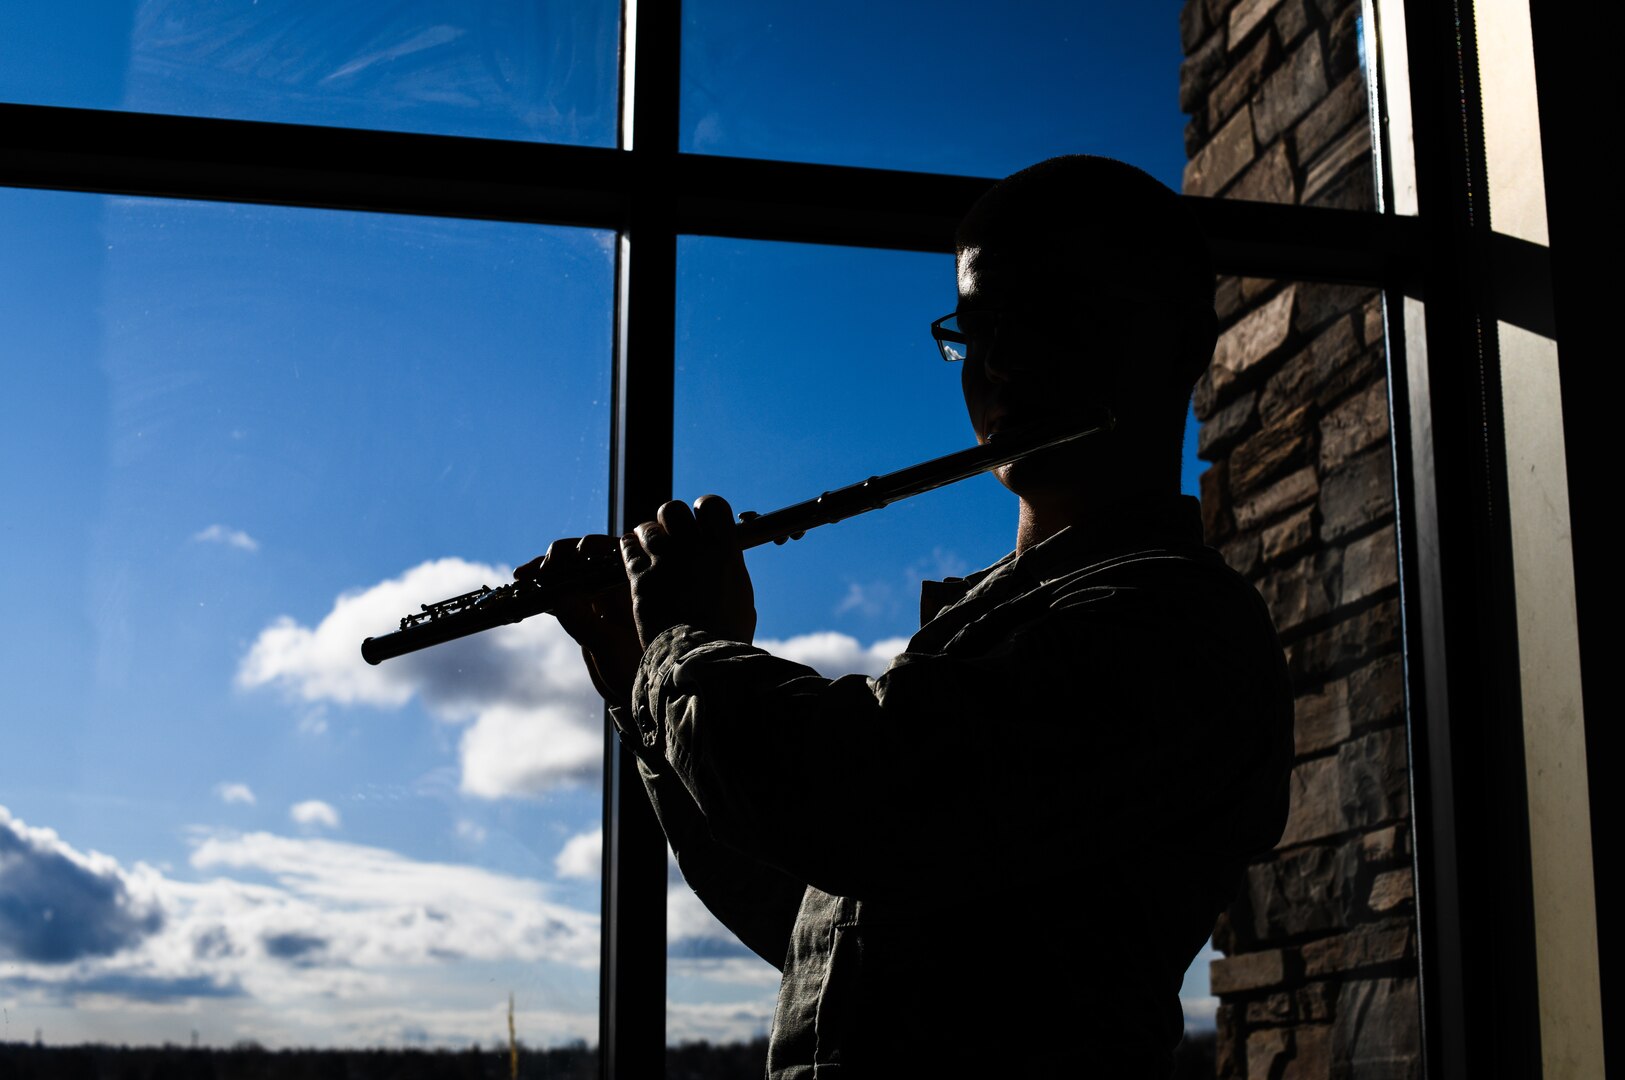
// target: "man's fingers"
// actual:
[[677, 519], [714, 516], [558, 552]]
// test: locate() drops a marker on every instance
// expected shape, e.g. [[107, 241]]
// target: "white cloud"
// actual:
[[314, 812], [832, 654], [229, 793], [225, 534], [313, 937], [535, 723], [471, 831], [582, 856], [871, 600]]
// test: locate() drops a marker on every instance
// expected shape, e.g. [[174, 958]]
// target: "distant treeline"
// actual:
[[690, 1061]]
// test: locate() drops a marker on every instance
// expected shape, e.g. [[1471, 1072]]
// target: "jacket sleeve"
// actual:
[[758, 903]]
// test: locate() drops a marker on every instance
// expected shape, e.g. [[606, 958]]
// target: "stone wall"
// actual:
[[1319, 973]]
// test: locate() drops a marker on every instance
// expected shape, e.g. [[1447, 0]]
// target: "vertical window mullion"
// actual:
[[632, 1006]]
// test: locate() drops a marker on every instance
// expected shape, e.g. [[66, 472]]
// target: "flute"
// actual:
[[486, 608]]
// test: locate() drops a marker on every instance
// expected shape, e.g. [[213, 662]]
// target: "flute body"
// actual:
[[486, 608]]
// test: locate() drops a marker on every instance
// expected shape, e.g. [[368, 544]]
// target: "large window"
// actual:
[[289, 354]]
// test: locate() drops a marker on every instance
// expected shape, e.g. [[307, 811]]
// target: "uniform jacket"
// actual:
[[1005, 850]]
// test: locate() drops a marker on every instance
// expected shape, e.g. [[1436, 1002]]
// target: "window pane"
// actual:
[[802, 368], [957, 87], [542, 72], [237, 439]]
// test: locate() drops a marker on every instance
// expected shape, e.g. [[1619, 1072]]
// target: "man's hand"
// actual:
[[602, 624], [683, 568]]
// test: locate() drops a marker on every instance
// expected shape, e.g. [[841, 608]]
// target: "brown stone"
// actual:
[[1274, 1009], [1267, 1050], [1222, 159], [1315, 1001], [1350, 150], [1344, 107], [1270, 452], [1224, 938], [1384, 845], [1199, 71], [1202, 397], [1371, 327], [1288, 493], [1311, 890], [1365, 946], [1321, 720], [1300, 379], [1288, 536], [1364, 784], [1301, 592], [1245, 75], [1241, 555], [1320, 302], [1193, 24], [1247, 16], [1377, 692], [1227, 298], [1254, 287], [1353, 426], [1291, 20], [1216, 520], [1352, 190], [1370, 565], [1390, 889], [1195, 134], [1225, 426], [1271, 179], [1253, 338], [1378, 1030], [1295, 87], [1355, 639], [1342, 43], [1248, 971], [1311, 1053], [1228, 1055], [1359, 493]]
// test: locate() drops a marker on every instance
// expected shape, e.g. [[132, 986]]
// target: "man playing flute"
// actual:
[[1099, 723]]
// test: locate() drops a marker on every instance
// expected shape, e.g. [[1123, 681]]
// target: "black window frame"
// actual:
[[1459, 637]]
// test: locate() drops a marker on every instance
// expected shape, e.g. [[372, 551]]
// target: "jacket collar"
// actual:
[[1129, 525]]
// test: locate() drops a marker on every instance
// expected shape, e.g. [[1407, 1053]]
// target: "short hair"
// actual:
[[1080, 219], [1099, 203]]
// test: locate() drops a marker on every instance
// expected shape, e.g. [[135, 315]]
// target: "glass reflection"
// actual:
[[540, 72]]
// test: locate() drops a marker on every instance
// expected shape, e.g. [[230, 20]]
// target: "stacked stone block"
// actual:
[[1319, 973]]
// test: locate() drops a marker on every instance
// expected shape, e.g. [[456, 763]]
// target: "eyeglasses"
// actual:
[[957, 331]]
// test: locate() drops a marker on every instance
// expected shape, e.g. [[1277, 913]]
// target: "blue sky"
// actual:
[[237, 439]]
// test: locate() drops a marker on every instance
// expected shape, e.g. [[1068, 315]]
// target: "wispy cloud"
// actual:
[[313, 812], [230, 792], [225, 534]]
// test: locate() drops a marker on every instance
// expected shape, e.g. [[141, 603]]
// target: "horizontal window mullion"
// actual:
[[392, 172]]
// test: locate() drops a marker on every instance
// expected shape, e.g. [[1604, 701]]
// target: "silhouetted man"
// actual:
[[1001, 855]]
